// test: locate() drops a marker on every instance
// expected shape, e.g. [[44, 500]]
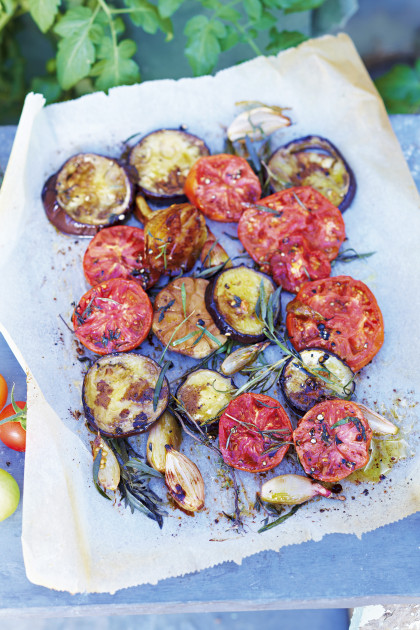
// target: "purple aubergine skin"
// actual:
[[211, 428], [220, 320], [141, 425], [64, 222], [348, 198], [311, 401], [162, 199]]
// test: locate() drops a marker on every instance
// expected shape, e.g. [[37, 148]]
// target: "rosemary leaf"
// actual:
[[139, 465], [159, 384], [342, 421], [184, 299], [210, 336], [280, 520]]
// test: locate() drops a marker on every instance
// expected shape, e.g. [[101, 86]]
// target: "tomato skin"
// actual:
[[296, 262], [330, 454], [118, 252], [12, 434], [3, 391], [243, 447], [339, 314], [301, 210], [114, 316], [221, 185]]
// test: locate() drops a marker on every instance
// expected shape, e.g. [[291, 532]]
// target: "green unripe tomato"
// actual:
[[9, 495]]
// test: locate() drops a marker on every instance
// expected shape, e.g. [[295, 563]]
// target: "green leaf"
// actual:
[[203, 47], [232, 38], [168, 7], [75, 57], [115, 67], [77, 19], [145, 15], [294, 6], [265, 22], [253, 9], [284, 39], [400, 89], [228, 13], [43, 12]]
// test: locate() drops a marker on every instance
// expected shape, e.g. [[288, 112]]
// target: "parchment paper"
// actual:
[[72, 538]]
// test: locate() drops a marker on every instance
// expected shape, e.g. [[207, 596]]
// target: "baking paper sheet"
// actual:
[[72, 538]]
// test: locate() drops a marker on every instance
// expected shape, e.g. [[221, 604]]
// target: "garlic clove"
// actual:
[[378, 424], [109, 468], [292, 490], [166, 431], [184, 481], [242, 357], [256, 123]]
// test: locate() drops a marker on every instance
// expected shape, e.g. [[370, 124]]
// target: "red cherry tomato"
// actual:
[[3, 391], [118, 252], [300, 210], [339, 314], [221, 186], [332, 440], [13, 434], [114, 316], [254, 432]]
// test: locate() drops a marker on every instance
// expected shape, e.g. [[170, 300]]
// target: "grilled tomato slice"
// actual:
[[313, 161], [118, 252], [113, 316], [339, 314], [174, 238], [90, 191], [301, 210], [163, 160], [181, 320], [332, 440], [119, 391], [296, 262], [254, 433], [222, 186]]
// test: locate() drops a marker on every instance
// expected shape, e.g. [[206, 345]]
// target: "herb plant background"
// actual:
[[67, 48]]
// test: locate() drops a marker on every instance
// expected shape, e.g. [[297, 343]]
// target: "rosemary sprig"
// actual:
[[134, 483], [345, 256], [159, 384], [281, 519]]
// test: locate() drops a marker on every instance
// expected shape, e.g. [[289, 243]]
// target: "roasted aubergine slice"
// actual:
[[202, 397], [89, 192], [232, 300], [163, 160], [119, 394], [313, 161]]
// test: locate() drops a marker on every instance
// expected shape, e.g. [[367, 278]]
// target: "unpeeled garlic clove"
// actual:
[[378, 424], [257, 123], [242, 357], [292, 490], [109, 469], [184, 481], [166, 431]]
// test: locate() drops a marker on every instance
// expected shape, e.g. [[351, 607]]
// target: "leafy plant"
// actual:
[[91, 50], [400, 89]]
